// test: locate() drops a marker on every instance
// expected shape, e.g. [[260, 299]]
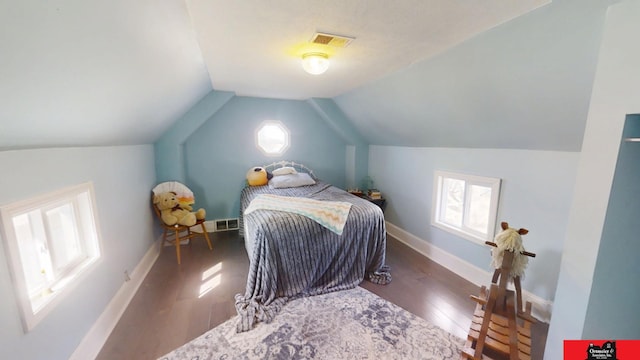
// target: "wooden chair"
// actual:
[[176, 234]]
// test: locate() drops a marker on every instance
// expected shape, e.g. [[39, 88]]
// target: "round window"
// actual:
[[272, 138]]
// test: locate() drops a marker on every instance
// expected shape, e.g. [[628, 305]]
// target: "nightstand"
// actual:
[[382, 203]]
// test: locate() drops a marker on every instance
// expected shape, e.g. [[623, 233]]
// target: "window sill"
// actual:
[[455, 231]]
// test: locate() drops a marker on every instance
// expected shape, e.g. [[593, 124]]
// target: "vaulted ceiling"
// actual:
[[418, 73], [523, 85], [99, 72], [254, 47]]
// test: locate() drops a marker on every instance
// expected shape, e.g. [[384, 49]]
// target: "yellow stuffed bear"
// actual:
[[173, 213], [257, 176]]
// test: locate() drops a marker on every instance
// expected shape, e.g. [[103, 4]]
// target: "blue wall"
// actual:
[[616, 272], [614, 97], [169, 149], [219, 153], [357, 161], [536, 193], [122, 178]]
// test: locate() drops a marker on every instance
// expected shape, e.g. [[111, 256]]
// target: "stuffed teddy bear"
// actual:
[[172, 212], [258, 176]]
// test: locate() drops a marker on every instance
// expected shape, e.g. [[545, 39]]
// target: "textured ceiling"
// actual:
[[253, 47]]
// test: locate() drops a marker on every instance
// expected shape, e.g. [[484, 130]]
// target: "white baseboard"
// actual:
[[93, 341], [541, 308]]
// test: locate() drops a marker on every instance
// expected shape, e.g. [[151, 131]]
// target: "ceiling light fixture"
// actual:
[[315, 63]]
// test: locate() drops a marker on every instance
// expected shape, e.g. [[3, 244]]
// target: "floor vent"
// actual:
[[226, 224]]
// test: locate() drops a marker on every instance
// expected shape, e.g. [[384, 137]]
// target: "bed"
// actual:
[[293, 255]]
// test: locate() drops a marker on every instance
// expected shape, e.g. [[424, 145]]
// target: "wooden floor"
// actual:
[[178, 303]]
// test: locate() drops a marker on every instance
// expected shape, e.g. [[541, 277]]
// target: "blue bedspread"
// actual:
[[292, 255]]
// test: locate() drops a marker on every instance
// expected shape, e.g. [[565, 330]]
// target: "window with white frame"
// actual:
[[272, 137], [465, 205], [51, 240]]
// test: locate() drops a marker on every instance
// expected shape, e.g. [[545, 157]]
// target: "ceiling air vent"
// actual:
[[333, 40]]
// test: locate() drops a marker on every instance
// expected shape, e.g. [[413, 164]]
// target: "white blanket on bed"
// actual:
[[330, 214]]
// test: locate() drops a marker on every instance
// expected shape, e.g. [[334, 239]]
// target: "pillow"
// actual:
[[284, 171], [290, 181]]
